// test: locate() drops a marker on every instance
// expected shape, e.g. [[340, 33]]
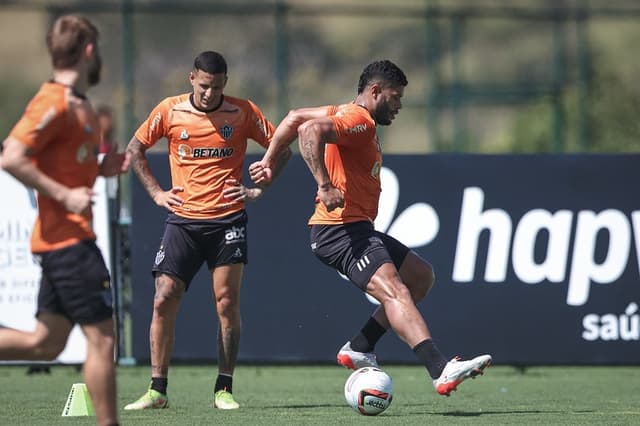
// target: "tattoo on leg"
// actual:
[[159, 371], [228, 346], [168, 290]]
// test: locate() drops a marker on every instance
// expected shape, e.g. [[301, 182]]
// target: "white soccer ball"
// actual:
[[369, 391]]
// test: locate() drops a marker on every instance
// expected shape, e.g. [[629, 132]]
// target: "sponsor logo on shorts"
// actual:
[[234, 234], [237, 253], [159, 256]]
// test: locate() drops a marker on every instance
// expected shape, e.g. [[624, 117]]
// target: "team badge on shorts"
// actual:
[[159, 256]]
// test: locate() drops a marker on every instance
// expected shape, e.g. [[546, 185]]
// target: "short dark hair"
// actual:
[[384, 72], [210, 62], [66, 38]]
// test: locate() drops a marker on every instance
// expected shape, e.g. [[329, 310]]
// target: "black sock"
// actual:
[[366, 340], [224, 382], [159, 384], [431, 357]]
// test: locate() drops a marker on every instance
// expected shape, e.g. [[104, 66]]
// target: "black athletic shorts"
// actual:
[[356, 249], [187, 243], [75, 283]]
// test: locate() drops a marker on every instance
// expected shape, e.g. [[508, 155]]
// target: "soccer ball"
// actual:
[[369, 391]]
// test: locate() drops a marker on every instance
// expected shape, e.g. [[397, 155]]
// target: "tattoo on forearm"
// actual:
[[313, 159], [141, 168]]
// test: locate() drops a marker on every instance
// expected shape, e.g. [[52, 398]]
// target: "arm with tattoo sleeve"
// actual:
[[313, 135], [167, 199]]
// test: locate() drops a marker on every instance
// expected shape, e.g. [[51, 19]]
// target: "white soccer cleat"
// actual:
[[355, 360], [457, 371]]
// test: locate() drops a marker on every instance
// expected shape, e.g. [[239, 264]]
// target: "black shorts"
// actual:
[[356, 249], [75, 283], [187, 243]]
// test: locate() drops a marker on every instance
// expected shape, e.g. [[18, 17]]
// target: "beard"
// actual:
[[383, 115], [94, 71], [384, 121]]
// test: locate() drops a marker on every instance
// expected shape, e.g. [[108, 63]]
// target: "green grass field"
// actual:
[[313, 395]]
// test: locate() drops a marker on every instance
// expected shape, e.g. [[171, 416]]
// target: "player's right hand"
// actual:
[[259, 172], [331, 197], [78, 200], [169, 199]]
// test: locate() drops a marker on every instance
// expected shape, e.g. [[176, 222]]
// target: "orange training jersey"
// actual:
[[63, 136], [205, 149], [353, 161]]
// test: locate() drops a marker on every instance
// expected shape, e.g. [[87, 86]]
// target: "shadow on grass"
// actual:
[[487, 413], [298, 406], [509, 412]]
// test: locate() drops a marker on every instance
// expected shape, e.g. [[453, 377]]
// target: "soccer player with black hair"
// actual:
[[340, 145], [207, 133]]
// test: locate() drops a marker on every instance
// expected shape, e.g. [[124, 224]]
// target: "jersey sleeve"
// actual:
[[154, 127], [41, 122], [352, 128], [261, 129]]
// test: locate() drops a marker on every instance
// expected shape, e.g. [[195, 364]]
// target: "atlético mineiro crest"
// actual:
[[226, 131], [159, 256]]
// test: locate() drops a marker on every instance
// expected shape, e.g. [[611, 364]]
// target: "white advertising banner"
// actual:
[[20, 273]]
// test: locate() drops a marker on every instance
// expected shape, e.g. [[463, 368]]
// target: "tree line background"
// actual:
[[486, 76]]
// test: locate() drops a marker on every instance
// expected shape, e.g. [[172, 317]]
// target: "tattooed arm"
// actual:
[[278, 153], [312, 137], [167, 199]]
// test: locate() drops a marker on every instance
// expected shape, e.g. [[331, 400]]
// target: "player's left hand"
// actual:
[[260, 172], [114, 162], [235, 191]]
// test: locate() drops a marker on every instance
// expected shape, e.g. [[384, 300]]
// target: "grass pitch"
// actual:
[[313, 395]]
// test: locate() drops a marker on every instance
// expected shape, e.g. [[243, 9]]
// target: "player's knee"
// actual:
[[393, 292], [161, 303], [227, 306], [404, 293], [167, 296], [104, 346]]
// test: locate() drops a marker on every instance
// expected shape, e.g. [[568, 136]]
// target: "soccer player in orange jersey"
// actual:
[[53, 148], [340, 146], [207, 133]]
